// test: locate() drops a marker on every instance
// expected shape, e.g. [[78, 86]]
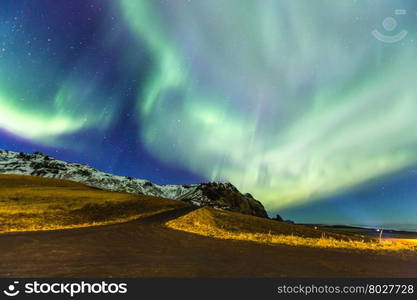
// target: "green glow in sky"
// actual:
[[268, 95]]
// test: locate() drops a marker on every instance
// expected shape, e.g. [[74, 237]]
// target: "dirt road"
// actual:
[[145, 248]]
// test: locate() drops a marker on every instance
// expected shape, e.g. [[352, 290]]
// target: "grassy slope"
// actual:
[[35, 203], [228, 225]]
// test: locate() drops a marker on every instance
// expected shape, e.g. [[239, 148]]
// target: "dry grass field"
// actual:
[[34, 203], [228, 225]]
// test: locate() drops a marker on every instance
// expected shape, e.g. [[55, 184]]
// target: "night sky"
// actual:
[[294, 101]]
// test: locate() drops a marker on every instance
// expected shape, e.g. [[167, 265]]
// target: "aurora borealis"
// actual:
[[294, 101]]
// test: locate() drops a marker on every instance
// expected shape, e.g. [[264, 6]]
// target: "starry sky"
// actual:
[[308, 105]]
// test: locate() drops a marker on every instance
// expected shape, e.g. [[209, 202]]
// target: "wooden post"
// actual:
[[380, 234]]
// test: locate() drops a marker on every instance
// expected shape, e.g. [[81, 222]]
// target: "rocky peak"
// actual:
[[222, 195]]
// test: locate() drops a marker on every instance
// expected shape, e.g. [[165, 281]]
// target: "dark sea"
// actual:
[[400, 227]]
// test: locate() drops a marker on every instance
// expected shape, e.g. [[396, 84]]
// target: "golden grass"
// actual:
[[33, 203], [228, 225]]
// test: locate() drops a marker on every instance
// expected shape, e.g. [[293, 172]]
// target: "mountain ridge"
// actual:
[[221, 195]]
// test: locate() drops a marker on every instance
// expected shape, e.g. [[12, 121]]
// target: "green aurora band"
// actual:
[[290, 100], [39, 99]]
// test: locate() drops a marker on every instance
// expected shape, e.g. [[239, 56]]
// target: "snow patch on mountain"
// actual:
[[221, 195]]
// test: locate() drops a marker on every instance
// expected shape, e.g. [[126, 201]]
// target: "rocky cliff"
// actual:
[[222, 195]]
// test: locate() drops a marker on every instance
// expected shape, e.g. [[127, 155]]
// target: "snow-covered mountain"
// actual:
[[221, 195]]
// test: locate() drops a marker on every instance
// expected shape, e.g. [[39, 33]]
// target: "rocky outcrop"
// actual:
[[222, 195]]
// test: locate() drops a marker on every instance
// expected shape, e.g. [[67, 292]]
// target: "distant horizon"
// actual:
[[404, 227], [396, 227]]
